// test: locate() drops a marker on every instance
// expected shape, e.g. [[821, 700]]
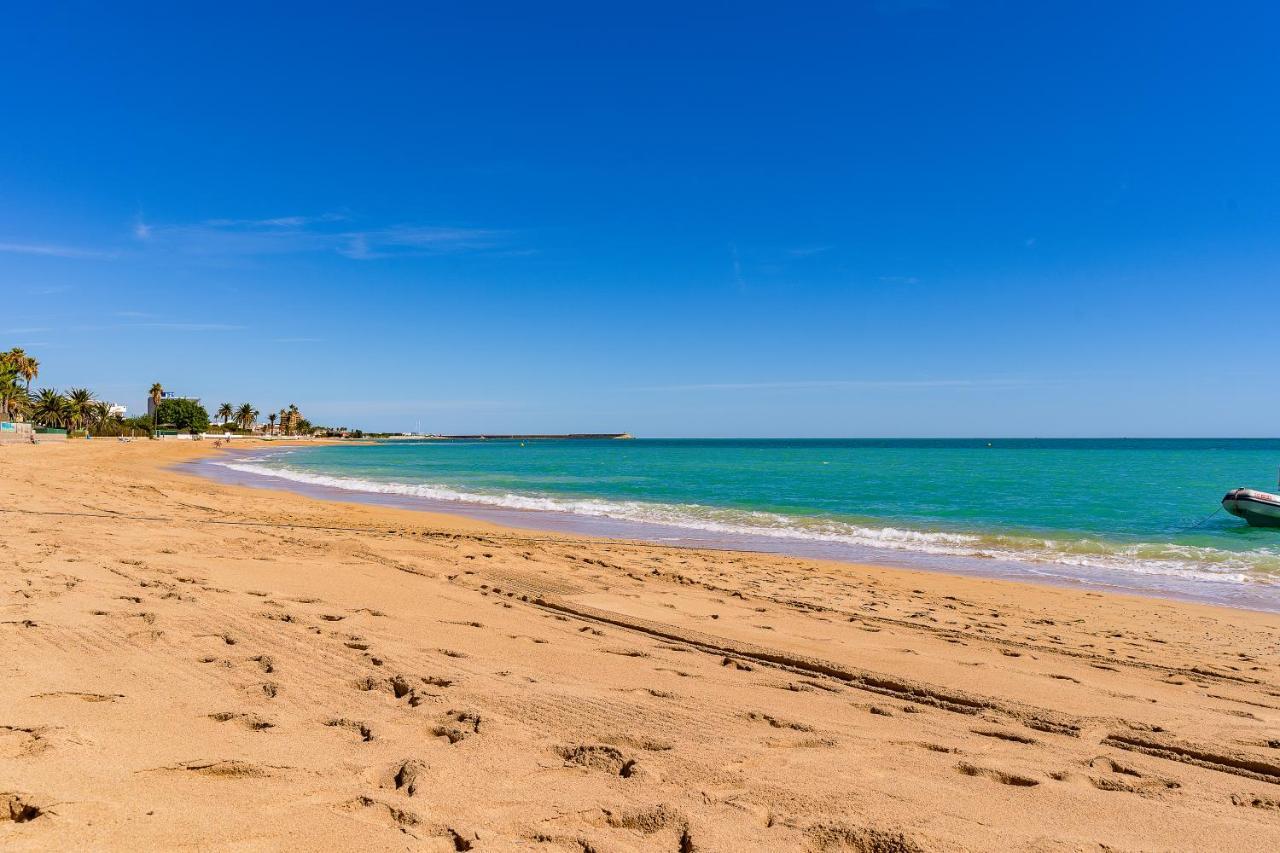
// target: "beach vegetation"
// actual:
[[80, 408], [182, 414], [110, 427], [140, 425], [17, 369], [49, 408], [24, 366], [78, 411], [14, 399], [81, 414], [156, 392], [246, 416]]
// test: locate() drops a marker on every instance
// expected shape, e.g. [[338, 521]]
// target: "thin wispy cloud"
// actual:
[[278, 221], [175, 326], [331, 232], [52, 250], [808, 251], [410, 240], [219, 237], [327, 232], [850, 384], [186, 327]]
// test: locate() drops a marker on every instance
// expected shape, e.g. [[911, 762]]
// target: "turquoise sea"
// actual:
[[1132, 514]]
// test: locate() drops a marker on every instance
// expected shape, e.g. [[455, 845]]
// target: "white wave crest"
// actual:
[[1175, 560]]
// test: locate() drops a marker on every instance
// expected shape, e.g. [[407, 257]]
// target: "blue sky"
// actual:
[[734, 219]]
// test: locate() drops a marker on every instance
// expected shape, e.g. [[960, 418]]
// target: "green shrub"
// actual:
[[184, 415], [140, 426]]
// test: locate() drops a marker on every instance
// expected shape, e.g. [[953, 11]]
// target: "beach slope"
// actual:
[[193, 665]]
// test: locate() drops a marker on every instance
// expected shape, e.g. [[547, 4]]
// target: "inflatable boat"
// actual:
[[1260, 509]]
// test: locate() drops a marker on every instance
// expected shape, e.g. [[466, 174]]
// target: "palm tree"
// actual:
[[246, 415], [14, 399], [157, 393], [24, 365], [226, 413], [272, 419], [100, 413], [294, 417], [79, 407], [49, 408]]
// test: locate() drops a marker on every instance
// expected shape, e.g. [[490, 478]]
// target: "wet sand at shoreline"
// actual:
[[244, 467], [196, 665]]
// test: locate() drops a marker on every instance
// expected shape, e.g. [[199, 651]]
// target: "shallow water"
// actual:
[[1134, 514]]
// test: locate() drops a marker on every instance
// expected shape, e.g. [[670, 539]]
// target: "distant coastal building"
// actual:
[[167, 395], [114, 410], [289, 420]]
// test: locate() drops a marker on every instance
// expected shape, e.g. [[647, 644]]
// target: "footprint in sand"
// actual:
[[399, 686], [20, 808], [1003, 735], [996, 775], [407, 777], [250, 721], [359, 728], [599, 757], [83, 697], [21, 741], [280, 617], [369, 809], [222, 769], [1121, 778], [457, 726], [777, 723], [1256, 802]]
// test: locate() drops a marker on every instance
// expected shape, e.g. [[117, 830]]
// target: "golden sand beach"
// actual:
[[190, 665]]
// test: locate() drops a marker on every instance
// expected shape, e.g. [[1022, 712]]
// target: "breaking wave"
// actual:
[[1170, 559]]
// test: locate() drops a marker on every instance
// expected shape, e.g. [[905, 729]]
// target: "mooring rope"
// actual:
[[1202, 521]]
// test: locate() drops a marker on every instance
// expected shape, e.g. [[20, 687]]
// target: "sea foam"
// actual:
[[1146, 558]]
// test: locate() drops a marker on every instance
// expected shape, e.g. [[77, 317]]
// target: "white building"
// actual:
[[114, 410]]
